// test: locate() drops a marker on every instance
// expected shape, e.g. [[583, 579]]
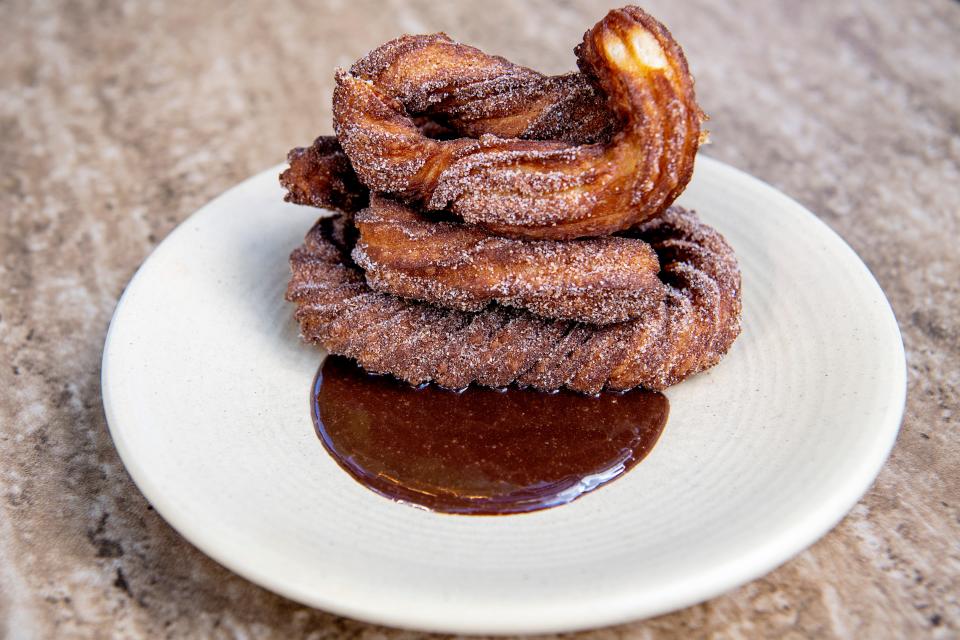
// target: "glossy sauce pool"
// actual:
[[479, 451]]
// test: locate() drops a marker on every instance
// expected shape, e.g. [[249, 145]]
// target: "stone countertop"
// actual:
[[117, 120]]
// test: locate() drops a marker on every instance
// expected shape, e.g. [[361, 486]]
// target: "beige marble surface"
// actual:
[[119, 120]]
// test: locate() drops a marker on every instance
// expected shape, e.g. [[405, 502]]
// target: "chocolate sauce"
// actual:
[[480, 451]]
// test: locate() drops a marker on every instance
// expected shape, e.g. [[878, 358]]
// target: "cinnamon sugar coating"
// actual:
[[494, 96], [544, 189], [472, 93], [458, 266], [689, 330], [321, 176]]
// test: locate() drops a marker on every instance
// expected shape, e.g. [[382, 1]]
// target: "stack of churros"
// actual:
[[497, 226]]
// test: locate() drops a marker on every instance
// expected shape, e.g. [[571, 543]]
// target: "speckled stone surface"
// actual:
[[119, 120]]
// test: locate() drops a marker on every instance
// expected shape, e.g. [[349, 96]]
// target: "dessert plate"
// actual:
[[206, 388]]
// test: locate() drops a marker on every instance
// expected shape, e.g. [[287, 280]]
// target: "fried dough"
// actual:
[[543, 189], [458, 266], [689, 330]]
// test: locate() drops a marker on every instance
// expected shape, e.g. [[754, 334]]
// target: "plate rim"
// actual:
[[762, 559]]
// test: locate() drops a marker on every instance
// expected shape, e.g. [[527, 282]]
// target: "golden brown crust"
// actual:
[[494, 97], [688, 331], [321, 176], [533, 189], [458, 266], [472, 93]]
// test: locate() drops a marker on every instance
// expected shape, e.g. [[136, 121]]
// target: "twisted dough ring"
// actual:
[[470, 93], [459, 266], [522, 188], [688, 331], [490, 96]]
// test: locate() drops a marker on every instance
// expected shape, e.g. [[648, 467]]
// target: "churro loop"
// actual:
[[496, 97], [470, 93], [687, 331], [458, 266], [544, 189]]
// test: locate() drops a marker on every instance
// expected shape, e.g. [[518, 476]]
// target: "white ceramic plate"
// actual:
[[206, 388]]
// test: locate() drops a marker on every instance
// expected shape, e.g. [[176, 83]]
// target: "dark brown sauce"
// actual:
[[480, 451]]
